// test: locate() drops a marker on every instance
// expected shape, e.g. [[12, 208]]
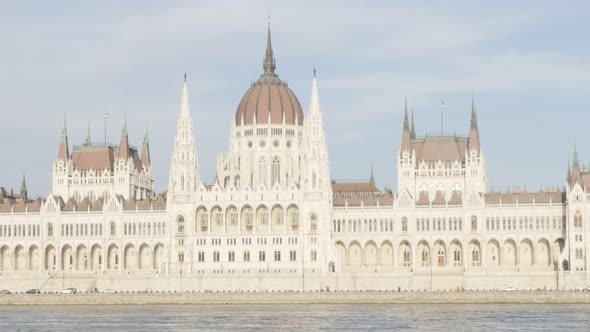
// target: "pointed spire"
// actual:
[[474, 143], [406, 124], [372, 179], [269, 65], [124, 144], [473, 113], [412, 128], [569, 172], [145, 149], [23, 188], [184, 108], [576, 172], [63, 152], [124, 132], [88, 141], [315, 100], [406, 137]]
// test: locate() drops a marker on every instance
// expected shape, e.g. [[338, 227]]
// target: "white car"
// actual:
[[109, 291], [510, 289], [68, 291]]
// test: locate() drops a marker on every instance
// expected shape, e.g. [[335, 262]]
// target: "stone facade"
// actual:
[[274, 220]]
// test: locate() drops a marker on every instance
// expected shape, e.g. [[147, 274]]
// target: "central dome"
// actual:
[[269, 97]]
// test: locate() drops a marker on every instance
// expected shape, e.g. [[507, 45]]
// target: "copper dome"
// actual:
[[269, 96]]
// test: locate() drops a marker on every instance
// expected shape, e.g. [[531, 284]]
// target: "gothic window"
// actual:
[[112, 228], [473, 223], [404, 224], [407, 262], [424, 257], [313, 180], [182, 182], [313, 222], [276, 171], [49, 229], [262, 171], [457, 257], [180, 224], [475, 257]]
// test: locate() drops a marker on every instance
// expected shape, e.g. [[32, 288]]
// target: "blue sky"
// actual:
[[527, 64]]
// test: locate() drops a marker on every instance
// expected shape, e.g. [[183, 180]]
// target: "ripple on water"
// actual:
[[361, 317]]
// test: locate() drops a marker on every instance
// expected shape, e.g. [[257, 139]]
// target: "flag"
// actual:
[[107, 115], [442, 103]]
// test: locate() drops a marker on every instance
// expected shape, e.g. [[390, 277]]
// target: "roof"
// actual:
[[440, 148], [354, 187], [100, 157], [360, 193], [524, 197]]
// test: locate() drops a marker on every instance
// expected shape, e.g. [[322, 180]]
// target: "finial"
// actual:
[[576, 160], [372, 180], [268, 18], [145, 132], [314, 71]]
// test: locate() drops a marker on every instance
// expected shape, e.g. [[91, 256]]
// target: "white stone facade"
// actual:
[[273, 220]]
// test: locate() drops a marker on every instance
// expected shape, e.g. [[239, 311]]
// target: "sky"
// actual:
[[526, 63]]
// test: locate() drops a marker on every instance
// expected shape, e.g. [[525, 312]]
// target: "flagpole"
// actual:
[[442, 107]]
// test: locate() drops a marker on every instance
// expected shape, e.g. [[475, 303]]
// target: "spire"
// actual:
[[23, 189], [184, 168], [474, 143], [569, 172], [372, 179], [124, 132], [184, 109], [145, 149], [63, 152], [406, 137], [412, 129], [406, 124], [473, 113], [88, 141], [576, 172], [269, 60], [315, 100], [124, 144]]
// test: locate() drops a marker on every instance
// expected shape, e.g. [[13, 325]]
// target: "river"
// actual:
[[373, 317]]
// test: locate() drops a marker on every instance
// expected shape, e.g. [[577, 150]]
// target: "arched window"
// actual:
[[475, 257], [112, 228], [404, 224], [473, 223], [180, 224], [313, 222], [424, 257], [49, 229], [276, 171], [262, 171], [407, 262]]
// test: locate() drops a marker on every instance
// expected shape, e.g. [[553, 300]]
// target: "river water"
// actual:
[[356, 317]]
